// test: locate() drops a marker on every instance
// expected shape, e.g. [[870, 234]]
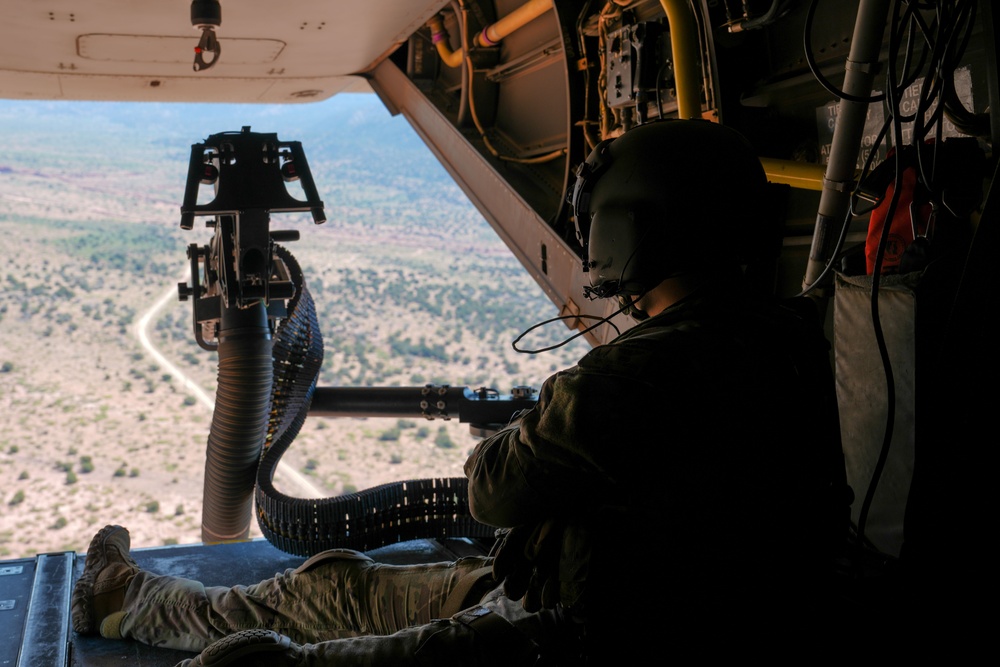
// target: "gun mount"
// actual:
[[239, 267]]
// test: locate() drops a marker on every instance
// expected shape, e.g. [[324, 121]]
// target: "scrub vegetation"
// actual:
[[411, 286]]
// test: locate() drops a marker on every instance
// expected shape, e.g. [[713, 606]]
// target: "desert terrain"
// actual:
[[411, 287]]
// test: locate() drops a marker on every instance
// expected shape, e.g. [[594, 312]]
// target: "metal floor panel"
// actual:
[[35, 594], [16, 577], [47, 622]]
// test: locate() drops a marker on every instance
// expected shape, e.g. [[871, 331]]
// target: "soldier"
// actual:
[[708, 429]]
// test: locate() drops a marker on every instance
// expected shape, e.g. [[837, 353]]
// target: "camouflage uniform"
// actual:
[[710, 428], [339, 594]]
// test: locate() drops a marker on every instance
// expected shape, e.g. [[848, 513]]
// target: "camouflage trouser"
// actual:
[[496, 633], [336, 594]]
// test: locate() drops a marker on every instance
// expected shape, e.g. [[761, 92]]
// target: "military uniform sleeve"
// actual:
[[564, 453]]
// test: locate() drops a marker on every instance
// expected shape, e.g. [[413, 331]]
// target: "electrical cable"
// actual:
[[893, 98], [601, 320], [547, 157], [706, 53], [830, 88], [609, 117], [943, 62], [607, 290], [944, 41], [585, 123], [814, 68]]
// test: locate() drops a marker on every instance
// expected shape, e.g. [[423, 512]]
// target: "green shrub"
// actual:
[[153, 506], [17, 499], [389, 435], [60, 523], [71, 477], [23, 475], [134, 472], [86, 464], [443, 440]]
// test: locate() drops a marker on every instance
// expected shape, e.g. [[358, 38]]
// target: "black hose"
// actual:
[[239, 423]]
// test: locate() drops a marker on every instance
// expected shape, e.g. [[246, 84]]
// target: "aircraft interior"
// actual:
[[511, 96]]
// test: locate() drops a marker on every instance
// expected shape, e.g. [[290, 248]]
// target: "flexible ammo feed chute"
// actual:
[[382, 515], [239, 422]]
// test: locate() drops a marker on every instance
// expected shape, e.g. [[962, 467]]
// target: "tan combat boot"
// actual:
[[250, 648], [108, 570]]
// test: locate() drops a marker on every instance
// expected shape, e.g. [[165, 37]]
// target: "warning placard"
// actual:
[[826, 120]]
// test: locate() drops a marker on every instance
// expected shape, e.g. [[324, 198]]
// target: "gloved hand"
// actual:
[[543, 564]]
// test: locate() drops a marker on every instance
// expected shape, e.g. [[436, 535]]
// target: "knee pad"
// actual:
[[334, 555]]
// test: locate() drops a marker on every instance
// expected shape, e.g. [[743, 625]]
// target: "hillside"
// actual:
[[411, 285]]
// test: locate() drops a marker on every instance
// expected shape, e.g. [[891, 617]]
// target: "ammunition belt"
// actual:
[[368, 519]]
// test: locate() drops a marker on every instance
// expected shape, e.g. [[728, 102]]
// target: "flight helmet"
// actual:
[[665, 198]]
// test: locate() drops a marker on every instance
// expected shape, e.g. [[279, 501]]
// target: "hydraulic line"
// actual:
[[491, 35], [439, 36], [684, 46], [529, 11], [800, 175]]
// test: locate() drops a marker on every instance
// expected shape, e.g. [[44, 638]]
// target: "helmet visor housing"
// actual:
[[670, 197], [617, 251]]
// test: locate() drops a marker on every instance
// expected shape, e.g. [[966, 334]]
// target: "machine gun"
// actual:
[[252, 306], [239, 267]]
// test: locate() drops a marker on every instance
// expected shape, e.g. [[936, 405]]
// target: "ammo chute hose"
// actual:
[[239, 422], [375, 517]]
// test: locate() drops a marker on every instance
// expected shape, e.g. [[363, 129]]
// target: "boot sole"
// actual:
[[82, 612], [232, 649]]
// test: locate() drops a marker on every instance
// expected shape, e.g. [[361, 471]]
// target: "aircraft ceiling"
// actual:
[[144, 50]]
